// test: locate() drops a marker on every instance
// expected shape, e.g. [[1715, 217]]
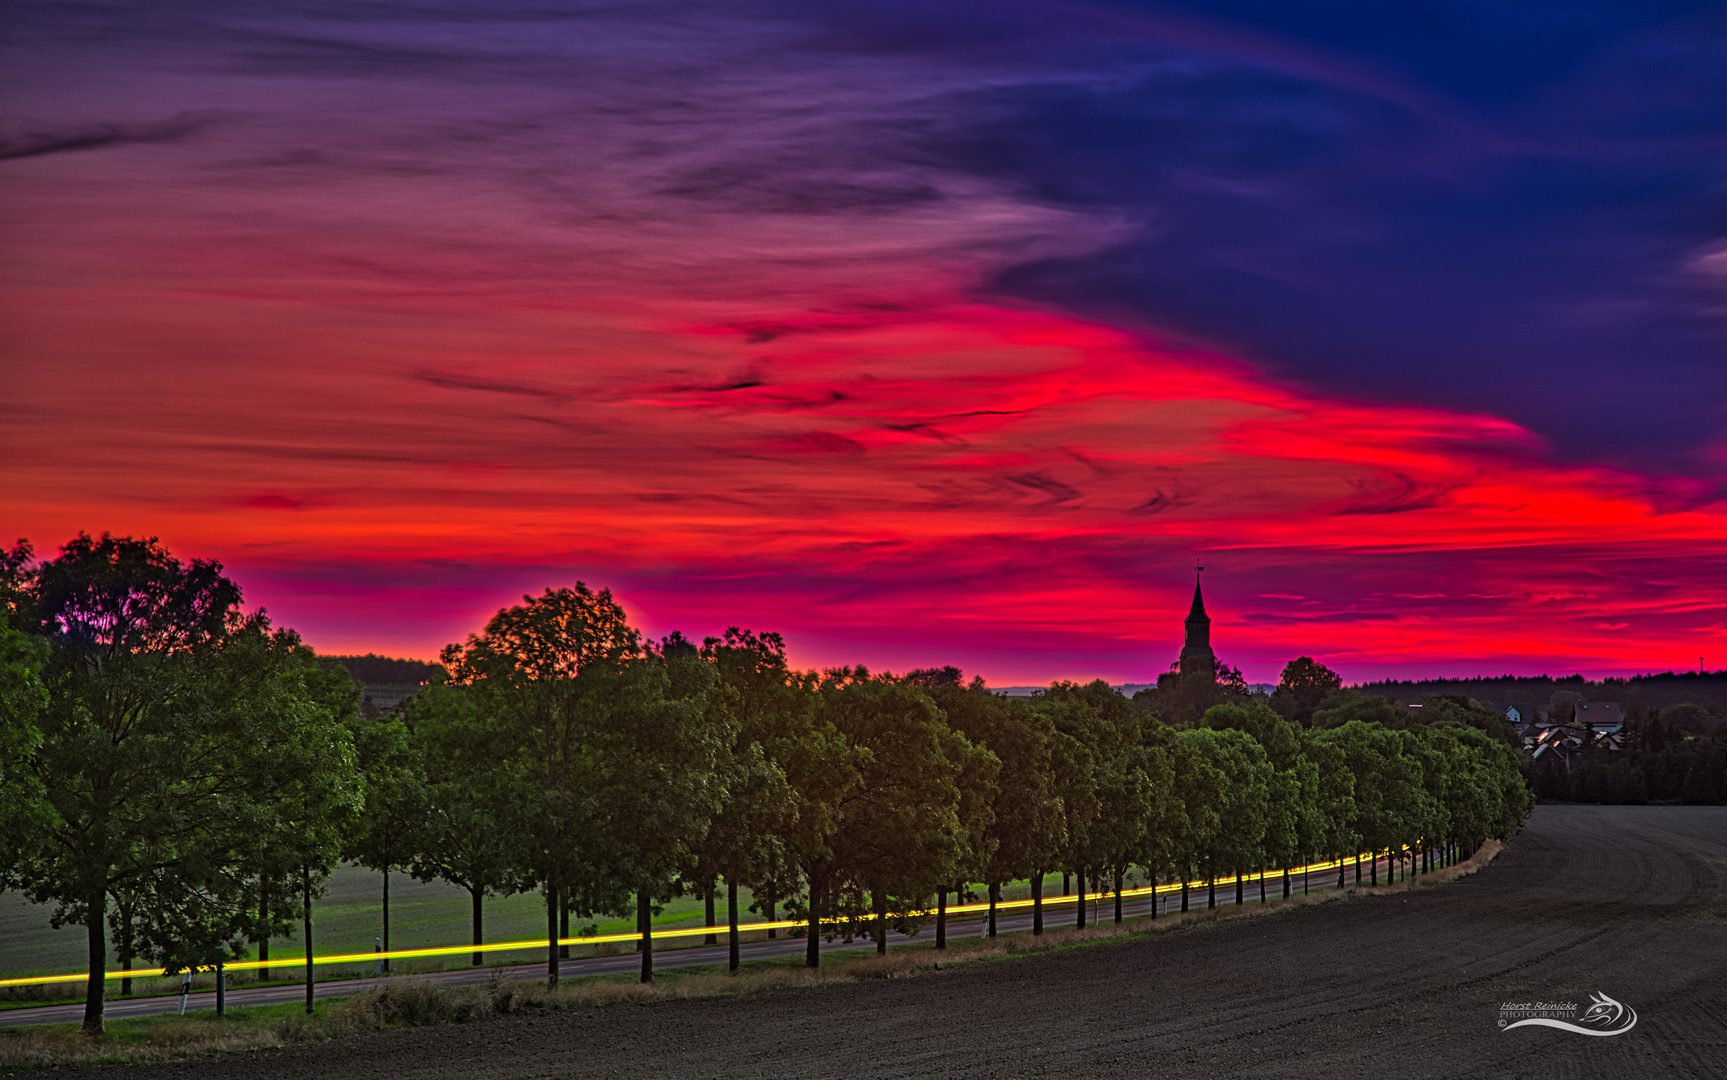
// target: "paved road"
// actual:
[[1629, 901], [1057, 915]]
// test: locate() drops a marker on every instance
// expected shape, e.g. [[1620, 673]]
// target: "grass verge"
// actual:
[[411, 1001]]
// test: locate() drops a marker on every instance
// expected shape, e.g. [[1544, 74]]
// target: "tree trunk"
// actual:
[[95, 983], [641, 926], [1286, 883], [1037, 902], [1240, 884], [1118, 876], [711, 939], [813, 947], [1184, 895], [1079, 879], [1373, 869], [126, 948], [552, 930], [563, 925], [645, 916], [732, 921], [941, 919], [476, 894], [1358, 868], [1211, 899], [772, 902], [879, 897], [1262, 885], [994, 898], [306, 919], [386, 916]]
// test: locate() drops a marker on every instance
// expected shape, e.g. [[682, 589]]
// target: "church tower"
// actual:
[[1196, 655]]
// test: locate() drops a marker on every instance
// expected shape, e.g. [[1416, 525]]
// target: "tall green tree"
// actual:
[[1243, 794], [1367, 708], [1292, 812], [475, 788], [1330, 832], [773, 706], [1130, 783], [391, 825], [1302, 688], [1388, 785], [1024, 836], [1094, 737], [663, 747], [291, 849], [1467, 712], [175, 729], [1201, 792], [880, 799], [550, 670], [1492, 798], [24, 809]]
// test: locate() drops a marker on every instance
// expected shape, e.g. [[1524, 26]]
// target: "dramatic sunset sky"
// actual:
[[922, 333]]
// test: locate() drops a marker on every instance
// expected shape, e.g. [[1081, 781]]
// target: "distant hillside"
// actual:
[[1656, 691], [374, 670]]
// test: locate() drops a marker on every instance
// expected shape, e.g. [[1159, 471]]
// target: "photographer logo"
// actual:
[[1604, 1016]]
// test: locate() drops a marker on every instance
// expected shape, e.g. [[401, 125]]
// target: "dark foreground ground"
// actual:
[[1628, 901]]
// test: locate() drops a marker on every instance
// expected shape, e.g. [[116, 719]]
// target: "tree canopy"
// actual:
[[179, 773]]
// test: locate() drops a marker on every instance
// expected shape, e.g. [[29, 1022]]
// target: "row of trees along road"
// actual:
[[182, 776]]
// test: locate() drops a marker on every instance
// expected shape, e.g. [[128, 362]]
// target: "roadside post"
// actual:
[[185, 988], [221, 980], [378, 947], [732, 922]]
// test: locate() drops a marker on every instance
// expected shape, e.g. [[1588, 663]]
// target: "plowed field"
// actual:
[[1627, 901]]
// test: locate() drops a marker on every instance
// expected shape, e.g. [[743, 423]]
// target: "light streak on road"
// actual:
[[692, 931]]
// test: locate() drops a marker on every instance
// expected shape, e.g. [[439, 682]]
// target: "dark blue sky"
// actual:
[[1505, 208], [920, 332]]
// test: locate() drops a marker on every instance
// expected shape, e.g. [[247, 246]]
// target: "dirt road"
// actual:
[[1628, 901]]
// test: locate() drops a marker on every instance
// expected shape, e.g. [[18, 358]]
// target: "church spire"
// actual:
[[1196, 655]]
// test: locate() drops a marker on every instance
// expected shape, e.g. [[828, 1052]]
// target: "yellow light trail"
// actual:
[[691, 931]]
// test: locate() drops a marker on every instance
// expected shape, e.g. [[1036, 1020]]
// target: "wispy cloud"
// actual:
[[69, 138], [914, 346]]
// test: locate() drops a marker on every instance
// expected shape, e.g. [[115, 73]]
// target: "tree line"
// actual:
[[182, 776]]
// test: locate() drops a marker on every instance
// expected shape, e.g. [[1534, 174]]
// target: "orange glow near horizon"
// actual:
[[918, 481], [722, 322]]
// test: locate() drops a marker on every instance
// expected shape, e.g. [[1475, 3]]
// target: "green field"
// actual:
[[349, 916], [346, 920]]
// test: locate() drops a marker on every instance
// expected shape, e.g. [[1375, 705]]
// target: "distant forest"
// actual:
[[373, 669], [1655, 691]]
